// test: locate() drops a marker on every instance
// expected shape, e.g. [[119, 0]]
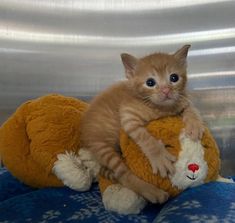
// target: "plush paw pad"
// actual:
[[122, 200], [71, 171]]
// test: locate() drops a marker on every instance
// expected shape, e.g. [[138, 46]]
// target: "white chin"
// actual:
[[164, 102], [168, 101]]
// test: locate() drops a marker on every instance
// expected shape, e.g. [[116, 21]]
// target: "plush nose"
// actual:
[[193, 167], [165, 90]]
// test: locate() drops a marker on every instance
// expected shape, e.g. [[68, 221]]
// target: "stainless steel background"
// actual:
[[72, 47]]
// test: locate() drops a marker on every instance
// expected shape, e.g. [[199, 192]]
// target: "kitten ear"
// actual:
[[182, 53], [130, 64]]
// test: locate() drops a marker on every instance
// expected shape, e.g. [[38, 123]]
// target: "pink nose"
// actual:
[[165, 90], [193, 167]]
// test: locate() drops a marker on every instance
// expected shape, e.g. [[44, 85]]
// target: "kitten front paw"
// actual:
[[162, 161], [194, 129], [149, 191], [154, 194]]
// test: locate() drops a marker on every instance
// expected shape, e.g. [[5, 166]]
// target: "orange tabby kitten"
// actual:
[[155, 87]]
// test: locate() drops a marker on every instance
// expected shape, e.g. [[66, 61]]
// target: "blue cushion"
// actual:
[[20, 203], [212, 202]]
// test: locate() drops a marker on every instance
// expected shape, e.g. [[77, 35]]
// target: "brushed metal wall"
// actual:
[[73, 46]]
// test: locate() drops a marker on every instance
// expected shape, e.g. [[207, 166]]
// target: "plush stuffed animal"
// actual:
[[39, 144], [197, 163], [36, 133]]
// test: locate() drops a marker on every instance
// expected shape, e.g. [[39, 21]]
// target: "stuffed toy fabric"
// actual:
[[39, 144], [198, 163], [36, 133]]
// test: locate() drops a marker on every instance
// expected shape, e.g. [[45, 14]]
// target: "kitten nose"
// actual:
[[193, 167], [165, 90]]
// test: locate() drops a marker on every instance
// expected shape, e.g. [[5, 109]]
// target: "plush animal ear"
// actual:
[[182, 53], [130, 64]]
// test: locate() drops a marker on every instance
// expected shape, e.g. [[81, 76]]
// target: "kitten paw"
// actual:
[[149, 191], [194, 129], [154, 194], [162, 161]]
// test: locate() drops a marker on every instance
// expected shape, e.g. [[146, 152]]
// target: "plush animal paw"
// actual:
[[70, 169], [122, 200]]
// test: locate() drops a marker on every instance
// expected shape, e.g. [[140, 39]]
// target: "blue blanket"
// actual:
[[20, 203], [213, 202]]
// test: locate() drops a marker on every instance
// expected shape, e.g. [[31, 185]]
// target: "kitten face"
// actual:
[[158, 78]]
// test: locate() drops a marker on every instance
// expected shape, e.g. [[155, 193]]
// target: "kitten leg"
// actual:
[[109, 158], [107, 173], [161, 160], [194, 127]]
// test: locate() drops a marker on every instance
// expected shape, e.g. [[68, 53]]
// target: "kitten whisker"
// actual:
[[147, 100]]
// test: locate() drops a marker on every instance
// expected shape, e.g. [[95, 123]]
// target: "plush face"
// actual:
[[197, 163], [191, 168]]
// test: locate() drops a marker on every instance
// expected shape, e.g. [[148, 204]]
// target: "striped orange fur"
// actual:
[[132, 103]]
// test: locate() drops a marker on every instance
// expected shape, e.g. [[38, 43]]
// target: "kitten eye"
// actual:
[[174, 77], [151, 82]]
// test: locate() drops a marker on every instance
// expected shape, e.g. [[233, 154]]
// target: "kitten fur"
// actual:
[[130, 104]]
